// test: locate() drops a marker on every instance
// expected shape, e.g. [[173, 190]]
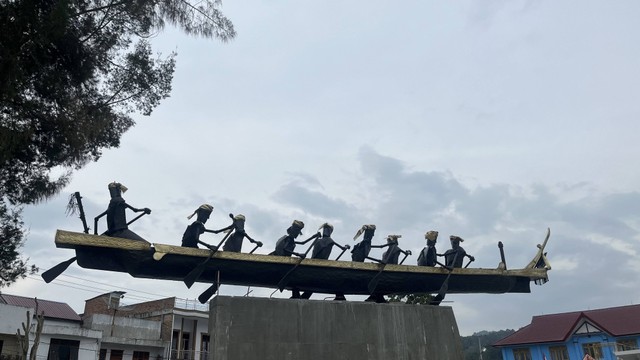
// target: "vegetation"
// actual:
[[472, 345], [72, 72]]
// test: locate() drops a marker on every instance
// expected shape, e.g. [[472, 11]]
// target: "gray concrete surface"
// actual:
[[258, 328]]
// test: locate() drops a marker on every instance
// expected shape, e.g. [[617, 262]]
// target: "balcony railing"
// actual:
[[191, 304], [189, 355]]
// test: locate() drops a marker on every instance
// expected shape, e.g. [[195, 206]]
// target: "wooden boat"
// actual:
[[168, 262]]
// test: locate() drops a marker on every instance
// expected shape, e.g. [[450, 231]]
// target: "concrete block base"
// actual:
[[275, 329]]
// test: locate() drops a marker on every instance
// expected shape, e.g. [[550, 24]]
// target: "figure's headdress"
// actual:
[[394, 237], [204, 207], [298, 224], [122, 188], [456, 238], [325, 225], [431, 235], [362, 230], [239, 217]]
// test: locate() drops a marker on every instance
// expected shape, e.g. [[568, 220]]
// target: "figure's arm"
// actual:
[[223, 229], [209, 246], [342, 247], [259, 243], [380, 246], [95, 222], [146, 210], [295, 253], [314, 236]]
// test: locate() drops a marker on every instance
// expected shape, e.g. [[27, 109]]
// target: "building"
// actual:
[[608, 334], [62, 333], [168, 328], [162, 329]]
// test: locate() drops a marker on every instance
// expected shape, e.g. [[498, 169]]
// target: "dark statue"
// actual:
[[234, 242], [191, 236], [117, 225], [323, 246], [286, 245], [428, 256], [393, 252], [322, 250], [362, 249], [455, 256]]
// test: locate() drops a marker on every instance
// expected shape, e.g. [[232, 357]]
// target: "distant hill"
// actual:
[[472, 351]]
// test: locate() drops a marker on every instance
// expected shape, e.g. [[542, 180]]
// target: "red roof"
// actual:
[[617, 321], [51, 309]]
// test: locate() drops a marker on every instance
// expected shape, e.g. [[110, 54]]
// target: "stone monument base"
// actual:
[[249, 328]]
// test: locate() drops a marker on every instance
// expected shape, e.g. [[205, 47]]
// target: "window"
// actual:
[[593, 349], [626, 344], [103, 354], [522, 354], [204, 347], [116, 354], [559, 352], [140, 355], [63, 349]]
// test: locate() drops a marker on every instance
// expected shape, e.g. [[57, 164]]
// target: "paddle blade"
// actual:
[[194, 274], [207, 294], [49, 275]]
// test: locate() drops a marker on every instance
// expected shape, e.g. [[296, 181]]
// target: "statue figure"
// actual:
[[191, 236], [323, 246], [286, 244], [322, 250], [234, 242], [428, 256], [117, 225], [393, 252], [455, 256], [361, 250]]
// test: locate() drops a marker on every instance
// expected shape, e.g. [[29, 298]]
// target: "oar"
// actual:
[[405, 256], [49, 275], [285, 279], [445, 285], [194, 274], [343, 250], [207, 294], [374, 281], [255, 248]]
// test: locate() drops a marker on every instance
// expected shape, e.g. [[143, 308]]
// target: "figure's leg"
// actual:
[[295, 294], [340, 297]]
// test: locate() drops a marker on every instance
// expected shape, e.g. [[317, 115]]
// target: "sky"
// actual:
[[490, 120]]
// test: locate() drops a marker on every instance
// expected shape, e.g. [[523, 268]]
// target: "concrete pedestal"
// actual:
[[247, 328]]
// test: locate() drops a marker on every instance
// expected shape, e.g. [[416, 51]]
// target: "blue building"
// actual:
[[607, 334]]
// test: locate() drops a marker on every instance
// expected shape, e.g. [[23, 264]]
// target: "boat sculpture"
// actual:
[[141, 259]]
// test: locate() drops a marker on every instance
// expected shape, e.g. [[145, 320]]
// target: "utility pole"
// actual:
[[479, 348]]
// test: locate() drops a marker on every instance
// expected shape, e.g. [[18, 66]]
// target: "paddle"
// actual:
[[207, 294], [374, 282], [343, 250], [445, 285], [405, 256], [194, 274], [255, 248], [283, 282], [49, 275]]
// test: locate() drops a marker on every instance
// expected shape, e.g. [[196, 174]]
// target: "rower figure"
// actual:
[[286, 245], [191, 236], [428, 256], [455, 256], [322, 250], [393, 252], [362, 249], [234, 242], [117, 225]]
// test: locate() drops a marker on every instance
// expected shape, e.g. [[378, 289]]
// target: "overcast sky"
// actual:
[[491, 120]]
